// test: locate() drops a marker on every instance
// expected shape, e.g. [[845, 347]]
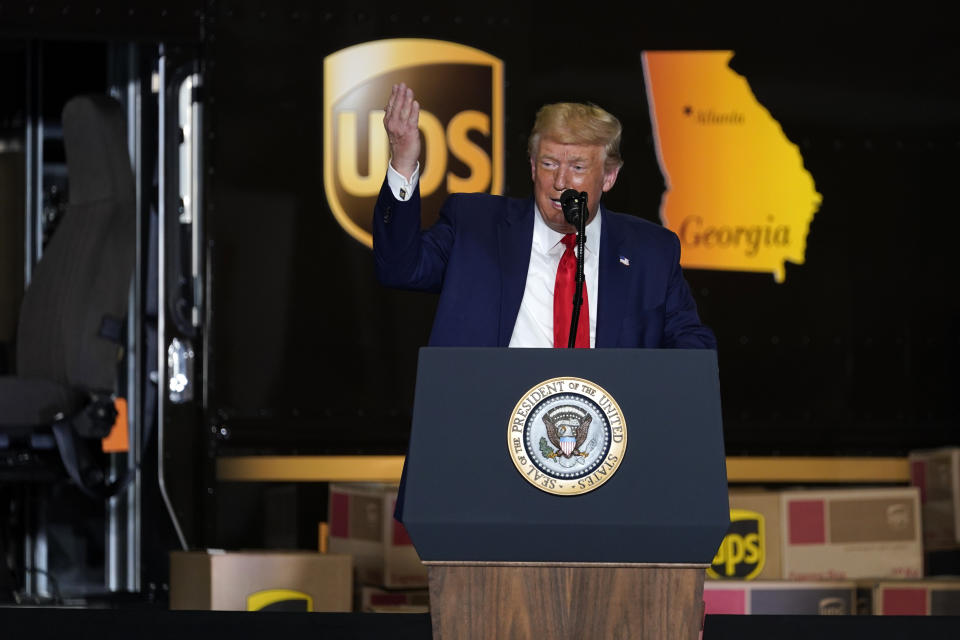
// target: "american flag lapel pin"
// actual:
[[625, 261]]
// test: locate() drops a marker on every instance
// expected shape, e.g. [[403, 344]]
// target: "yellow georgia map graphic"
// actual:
[[737, 193]]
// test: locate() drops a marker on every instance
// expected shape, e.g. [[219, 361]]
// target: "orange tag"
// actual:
[[119, 438], [323, 533]]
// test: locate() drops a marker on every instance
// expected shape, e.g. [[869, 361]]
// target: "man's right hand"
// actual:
[[401, 121]]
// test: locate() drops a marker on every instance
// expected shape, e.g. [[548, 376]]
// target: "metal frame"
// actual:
[[33, 151], [162, 295], [180, 177], [124, 511], [35, 551]]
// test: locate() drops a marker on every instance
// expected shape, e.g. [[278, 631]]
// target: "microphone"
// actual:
[[574, 204]]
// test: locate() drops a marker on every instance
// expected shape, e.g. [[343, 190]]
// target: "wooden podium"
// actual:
[[515, 553], [565, 601]]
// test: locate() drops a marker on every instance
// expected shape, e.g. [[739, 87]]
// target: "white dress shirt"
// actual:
[[534, 327], [398, 183]]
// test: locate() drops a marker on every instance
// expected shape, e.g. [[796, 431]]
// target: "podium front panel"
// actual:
[[464, 498]]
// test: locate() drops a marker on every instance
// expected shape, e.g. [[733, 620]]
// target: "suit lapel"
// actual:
[[515, 233], [612, 282]]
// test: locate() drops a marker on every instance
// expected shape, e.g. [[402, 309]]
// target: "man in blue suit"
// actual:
[[495, 260]]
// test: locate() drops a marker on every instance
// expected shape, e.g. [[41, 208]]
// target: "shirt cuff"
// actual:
[[401, 187]]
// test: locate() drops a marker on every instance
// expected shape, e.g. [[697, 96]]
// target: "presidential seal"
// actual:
[[567, 436]]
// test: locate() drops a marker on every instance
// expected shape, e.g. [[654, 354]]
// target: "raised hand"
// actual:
[[401, 119]]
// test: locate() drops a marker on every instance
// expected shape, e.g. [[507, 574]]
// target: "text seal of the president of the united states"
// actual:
[[567, 436]]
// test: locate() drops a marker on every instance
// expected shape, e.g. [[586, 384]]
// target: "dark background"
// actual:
[[853, 353]]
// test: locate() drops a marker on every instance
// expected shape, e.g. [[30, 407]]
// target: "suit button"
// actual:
[[388, 213]]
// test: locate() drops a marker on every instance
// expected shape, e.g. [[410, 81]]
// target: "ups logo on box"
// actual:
[[460, 91], [279, 600], [743, 551]]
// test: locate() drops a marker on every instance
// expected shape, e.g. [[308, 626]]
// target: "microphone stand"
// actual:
[[578, 292]]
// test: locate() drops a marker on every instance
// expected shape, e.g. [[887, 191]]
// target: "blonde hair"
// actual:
[[578, 123]]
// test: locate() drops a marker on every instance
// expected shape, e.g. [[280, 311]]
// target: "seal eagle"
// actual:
[[582, 428]]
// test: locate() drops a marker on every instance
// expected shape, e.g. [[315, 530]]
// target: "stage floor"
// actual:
[[150, 624]]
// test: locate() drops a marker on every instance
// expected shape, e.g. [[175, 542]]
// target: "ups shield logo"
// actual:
[[460, 91], [743, 551]]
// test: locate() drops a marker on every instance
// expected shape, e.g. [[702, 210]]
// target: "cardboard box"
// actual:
[[377, 600], [936, 473], [260, 581], [767, 597], [939, 597], [751, 548], [362, 525], [852, 533]]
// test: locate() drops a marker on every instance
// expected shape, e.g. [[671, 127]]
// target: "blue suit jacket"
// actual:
[[477, 254]]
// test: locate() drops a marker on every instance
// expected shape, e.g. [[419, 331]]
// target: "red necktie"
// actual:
[[563, 291]]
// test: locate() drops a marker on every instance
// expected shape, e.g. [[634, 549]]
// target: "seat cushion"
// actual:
[[28, 402]]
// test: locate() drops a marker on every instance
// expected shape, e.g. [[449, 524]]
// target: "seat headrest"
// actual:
[[95, 142]]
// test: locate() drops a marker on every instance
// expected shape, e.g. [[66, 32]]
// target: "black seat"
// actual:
[[70, 331]]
